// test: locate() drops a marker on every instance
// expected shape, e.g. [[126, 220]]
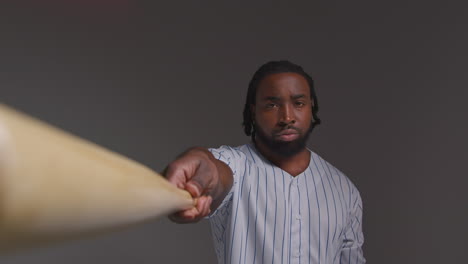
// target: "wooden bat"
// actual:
[[56, 186]]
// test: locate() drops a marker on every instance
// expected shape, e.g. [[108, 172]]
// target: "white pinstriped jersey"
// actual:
[[270, 216]]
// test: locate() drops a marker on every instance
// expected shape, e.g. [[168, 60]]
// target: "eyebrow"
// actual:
[[275, 98], [272, 98], [298, 96]]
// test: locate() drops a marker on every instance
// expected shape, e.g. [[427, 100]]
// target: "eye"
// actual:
[[300, 104], [271, 105]]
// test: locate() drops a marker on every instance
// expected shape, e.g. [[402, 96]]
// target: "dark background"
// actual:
[[148, 81]]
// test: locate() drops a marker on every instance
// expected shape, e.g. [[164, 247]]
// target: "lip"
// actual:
[[287, 135]]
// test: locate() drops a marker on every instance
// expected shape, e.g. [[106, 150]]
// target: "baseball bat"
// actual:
[[56, 186]]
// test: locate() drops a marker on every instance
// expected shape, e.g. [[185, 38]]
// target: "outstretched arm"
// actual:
[[206, 178]]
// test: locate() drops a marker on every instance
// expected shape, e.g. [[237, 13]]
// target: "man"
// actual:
[[273, 200]]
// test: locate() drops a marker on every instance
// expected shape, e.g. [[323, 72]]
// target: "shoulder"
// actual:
[[245, 153], [338, 179], [227, 154]]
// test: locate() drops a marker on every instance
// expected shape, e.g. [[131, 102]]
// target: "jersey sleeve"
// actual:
[[354, 238], [231, 157]]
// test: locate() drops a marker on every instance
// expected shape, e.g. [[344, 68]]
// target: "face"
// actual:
[[283, 113]]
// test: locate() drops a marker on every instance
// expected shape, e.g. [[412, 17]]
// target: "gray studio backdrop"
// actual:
[[148, 81]]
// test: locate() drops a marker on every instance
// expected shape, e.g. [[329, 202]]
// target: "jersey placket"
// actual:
[[295, 222]]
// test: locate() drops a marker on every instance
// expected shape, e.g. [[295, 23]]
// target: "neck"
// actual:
[[294, 165]]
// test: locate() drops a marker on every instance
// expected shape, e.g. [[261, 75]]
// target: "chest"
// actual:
[[313, 201]]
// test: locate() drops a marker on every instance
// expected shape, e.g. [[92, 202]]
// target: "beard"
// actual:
[[284, 148]]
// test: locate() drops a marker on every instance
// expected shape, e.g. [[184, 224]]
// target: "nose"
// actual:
[[286, 115]]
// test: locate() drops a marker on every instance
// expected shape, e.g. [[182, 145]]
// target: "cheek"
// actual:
[[306, 117], [266, 120]]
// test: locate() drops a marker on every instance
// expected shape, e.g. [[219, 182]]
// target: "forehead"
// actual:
[[284, 84]]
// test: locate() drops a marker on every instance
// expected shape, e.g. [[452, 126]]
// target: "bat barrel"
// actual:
[[56, 186]]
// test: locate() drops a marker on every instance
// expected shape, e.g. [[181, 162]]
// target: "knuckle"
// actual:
[[169, 171]]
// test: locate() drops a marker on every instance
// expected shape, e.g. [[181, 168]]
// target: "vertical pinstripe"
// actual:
[[334, 201], [274, 225], [284, 222], [326, 204], [309, 211], [256, 216], [317, 215], [247, 234], [300, 223], [319, 219], [265, 218]]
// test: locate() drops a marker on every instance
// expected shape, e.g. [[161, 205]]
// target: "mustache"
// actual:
[[279, 131]]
